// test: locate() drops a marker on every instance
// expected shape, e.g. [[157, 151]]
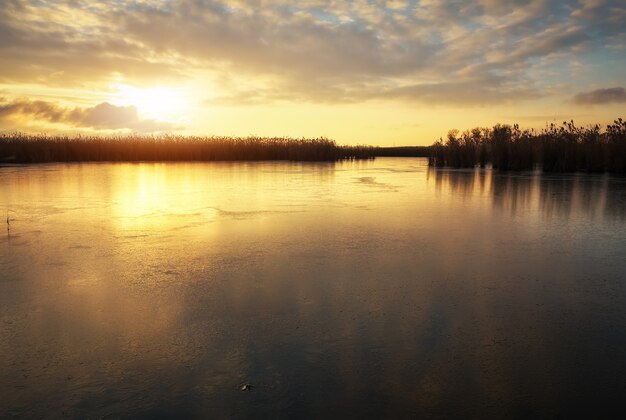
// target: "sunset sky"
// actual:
[[370, 72]]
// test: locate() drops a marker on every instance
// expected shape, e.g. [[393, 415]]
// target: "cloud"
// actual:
[[310, 50], [542, 118], [37, 109], [475, 91], [103, 116], [69, 43], [601, 96]]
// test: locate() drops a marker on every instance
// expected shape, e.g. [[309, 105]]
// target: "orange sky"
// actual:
[[370, 72]]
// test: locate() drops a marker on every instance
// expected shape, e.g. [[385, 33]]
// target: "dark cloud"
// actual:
[[104, 116], [37, 109], [601, 96]]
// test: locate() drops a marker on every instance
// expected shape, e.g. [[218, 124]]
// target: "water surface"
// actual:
[[369, 289]]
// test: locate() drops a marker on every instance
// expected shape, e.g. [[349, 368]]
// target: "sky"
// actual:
[[360, 72]]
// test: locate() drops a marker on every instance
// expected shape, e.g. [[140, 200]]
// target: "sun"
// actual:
[[159, 102]]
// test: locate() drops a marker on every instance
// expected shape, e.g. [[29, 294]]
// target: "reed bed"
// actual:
[[25, 148], [565, 148]]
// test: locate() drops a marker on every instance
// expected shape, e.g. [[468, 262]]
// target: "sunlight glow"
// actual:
[[162, 103]]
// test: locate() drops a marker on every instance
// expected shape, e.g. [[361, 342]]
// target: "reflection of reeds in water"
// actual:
[[462, 183], [23, 148], [555, 149], [550, 195]]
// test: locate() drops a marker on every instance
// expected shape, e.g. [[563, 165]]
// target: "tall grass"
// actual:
[[565, 148], [24, 148]]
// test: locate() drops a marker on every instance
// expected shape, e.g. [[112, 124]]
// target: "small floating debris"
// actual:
[[245, 387]]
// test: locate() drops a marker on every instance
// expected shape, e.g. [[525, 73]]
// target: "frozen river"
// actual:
[[362, 289]]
